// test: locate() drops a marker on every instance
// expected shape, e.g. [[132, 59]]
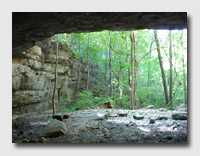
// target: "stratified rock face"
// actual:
[[33, 79], [28, 28]]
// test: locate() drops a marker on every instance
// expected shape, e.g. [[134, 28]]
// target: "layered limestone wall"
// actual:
[[33, 79]]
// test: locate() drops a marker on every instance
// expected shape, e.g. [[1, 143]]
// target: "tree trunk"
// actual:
[[128, 59], [115, 81], [54, 91], [161, 67], [120, 74], [149, 70], [132, 104], [79, 66], [171, 78], [106, 65], [120, 82], [185, 90], [136, 74], [110, 64], [88, 62]]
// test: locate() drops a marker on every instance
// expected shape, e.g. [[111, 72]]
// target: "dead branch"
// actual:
[[173, 95]]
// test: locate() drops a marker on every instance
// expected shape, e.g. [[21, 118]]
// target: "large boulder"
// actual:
[[54, 129], [179, 115]]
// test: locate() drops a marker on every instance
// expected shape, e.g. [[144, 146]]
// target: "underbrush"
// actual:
[[85, 100]]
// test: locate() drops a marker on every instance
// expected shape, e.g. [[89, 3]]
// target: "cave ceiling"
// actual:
[[28, 27]]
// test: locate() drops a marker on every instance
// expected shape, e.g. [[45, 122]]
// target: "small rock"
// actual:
[[131, 123], [183, 109], [41, 140], [169, 137], [162, 118], [123, 114], [163, 109], [152, 121], [25, 141], [102, 115], [33, 141], [138, 117], [113, 115], [21, 132], [151, 107], [58, 117], [106, 105]]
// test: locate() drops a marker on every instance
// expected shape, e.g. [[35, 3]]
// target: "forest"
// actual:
[[134, 69]]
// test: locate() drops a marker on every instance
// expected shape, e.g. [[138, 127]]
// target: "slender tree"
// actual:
[[120, 74], [132, 103], [171, 78], [137, 73], [79, 65], [88, 62], [185, 90], [161, 67], [110, 64], [106, 65], [55, 85], [185, 99]]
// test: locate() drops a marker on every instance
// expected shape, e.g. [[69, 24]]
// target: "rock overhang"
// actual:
[[29, 28]]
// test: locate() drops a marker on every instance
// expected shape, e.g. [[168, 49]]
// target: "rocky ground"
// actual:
[[104, 126]]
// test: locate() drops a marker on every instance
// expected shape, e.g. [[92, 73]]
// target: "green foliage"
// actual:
[[150, 85], [65, 105], [87, 99]]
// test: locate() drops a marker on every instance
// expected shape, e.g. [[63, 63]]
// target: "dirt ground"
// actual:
[[83, 128]]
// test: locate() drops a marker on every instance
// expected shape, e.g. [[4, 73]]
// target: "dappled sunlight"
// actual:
[[165, 128], [100, 114]]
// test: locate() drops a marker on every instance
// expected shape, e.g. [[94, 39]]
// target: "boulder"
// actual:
[[54, 129], [179, 115]]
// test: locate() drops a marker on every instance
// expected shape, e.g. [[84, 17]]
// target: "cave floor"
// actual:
[[83, 128]]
